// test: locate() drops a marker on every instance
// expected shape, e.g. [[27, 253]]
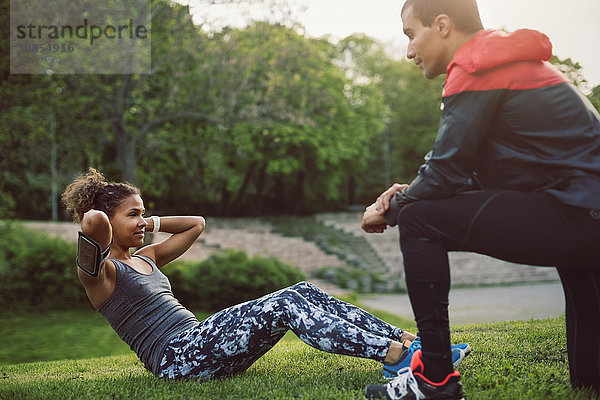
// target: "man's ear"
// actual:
[[442, 24]]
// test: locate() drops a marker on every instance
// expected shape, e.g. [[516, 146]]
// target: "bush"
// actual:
[[228, 278], [354, 277], [37, 270]]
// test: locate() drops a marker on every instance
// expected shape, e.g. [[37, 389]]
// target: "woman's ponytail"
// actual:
[[79, 197]]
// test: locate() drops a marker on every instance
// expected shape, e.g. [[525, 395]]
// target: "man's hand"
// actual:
[[383, 201], [373, 221]]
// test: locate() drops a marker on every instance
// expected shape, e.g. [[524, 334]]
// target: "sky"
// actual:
[[573, 26]]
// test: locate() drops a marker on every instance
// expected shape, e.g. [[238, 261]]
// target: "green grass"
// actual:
[[78, 356], [57, 336]]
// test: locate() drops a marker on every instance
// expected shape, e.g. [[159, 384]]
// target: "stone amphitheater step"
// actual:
[[258, 237], [364, 270]]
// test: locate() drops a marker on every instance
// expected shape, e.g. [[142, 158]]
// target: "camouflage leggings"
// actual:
[[231, 340]]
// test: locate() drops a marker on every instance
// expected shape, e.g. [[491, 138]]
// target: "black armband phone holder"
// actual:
[[90, 255]]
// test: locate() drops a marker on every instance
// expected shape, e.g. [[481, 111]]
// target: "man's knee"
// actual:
[[431, 221], [412, 217]]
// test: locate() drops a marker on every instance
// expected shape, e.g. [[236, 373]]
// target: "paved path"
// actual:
[[485, 304]]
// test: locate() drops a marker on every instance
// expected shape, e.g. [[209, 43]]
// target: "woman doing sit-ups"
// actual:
[[135, 297]]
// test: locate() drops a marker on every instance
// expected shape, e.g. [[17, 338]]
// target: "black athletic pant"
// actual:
[[521, 227]]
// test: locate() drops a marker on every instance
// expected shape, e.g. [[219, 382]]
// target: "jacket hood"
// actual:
[[491, 48]]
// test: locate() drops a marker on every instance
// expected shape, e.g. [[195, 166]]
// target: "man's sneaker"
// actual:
[[411, 384], [390, 370]]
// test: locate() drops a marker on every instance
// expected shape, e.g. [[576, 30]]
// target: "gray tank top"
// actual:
[[144, 312]]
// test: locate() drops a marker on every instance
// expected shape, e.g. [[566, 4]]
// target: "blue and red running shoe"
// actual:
[[411, 384]]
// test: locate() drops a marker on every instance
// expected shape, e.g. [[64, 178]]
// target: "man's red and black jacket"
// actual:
[[510, 120]]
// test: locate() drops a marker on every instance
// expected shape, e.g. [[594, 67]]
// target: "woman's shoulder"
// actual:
[[146, 258]]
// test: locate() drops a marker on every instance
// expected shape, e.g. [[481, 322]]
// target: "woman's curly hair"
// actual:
[[92, 191]]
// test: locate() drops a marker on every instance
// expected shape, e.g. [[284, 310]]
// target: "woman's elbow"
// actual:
[[93, 220], [97, 225], [200, 225]]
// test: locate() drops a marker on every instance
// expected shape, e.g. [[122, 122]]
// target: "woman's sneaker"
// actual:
[[459, 352], [411, 384], [390, 370]]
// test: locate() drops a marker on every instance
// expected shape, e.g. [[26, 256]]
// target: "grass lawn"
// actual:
[[76, 355]]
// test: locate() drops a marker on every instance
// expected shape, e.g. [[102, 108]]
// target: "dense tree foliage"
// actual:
[[255, 120], [411, 112]]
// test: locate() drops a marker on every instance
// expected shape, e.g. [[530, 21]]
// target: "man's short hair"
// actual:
[[463, 13]]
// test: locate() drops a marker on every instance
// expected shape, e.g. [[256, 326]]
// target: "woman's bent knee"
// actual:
[[302, 285]]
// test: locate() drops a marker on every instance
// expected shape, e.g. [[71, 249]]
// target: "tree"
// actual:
[[595, 97], [100, 120], [37, 126], [573, 71], [232, 121], [411, 112], [289, 121], [134, 104]]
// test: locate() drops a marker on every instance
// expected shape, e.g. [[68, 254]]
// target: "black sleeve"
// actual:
[[467, 118]]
